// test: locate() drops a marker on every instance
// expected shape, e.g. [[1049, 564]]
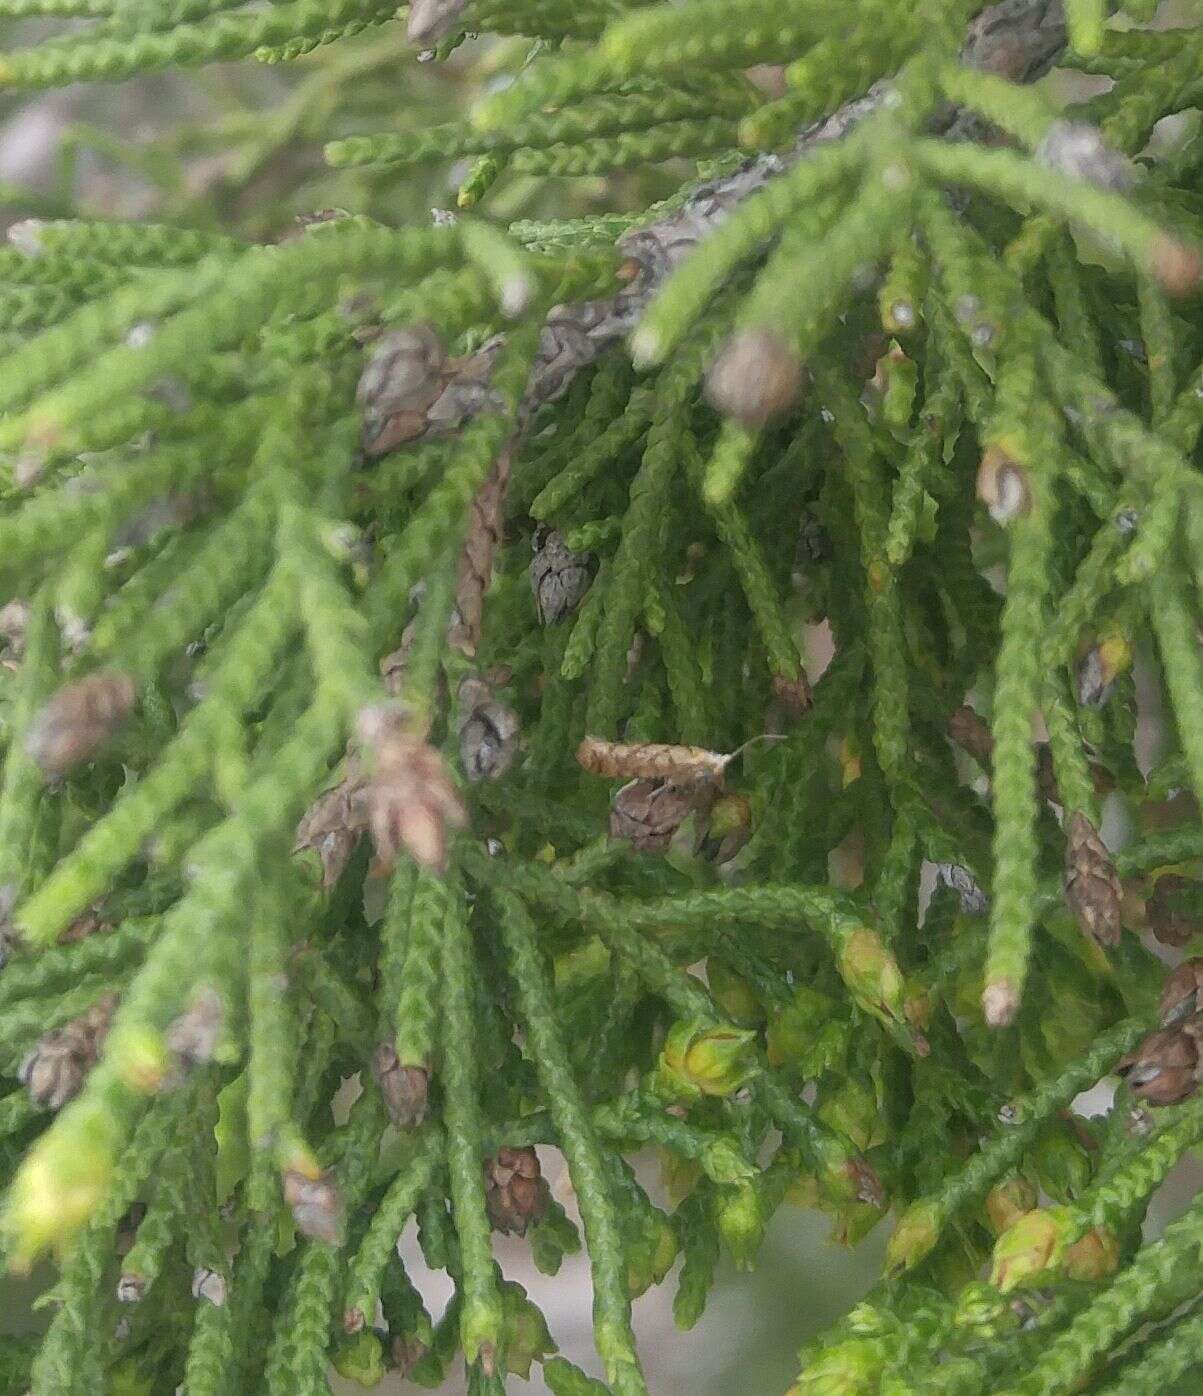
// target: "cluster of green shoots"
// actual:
[[404, 685]]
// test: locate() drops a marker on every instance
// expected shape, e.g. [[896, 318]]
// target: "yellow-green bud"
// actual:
[[480, 1330], [61, 1181], [733, 993], [651, 1257], [739, 1214], [853, 1221], [847, 1369], [360, 1358], [808, 1034], [865, 1320], [679, 1175], [852, 1108], [127, 1378], [526, 1337], [726, 1162], [914, 1237], [139, 1056], [845, 1178], [583, 962], [872, 974], [664, 1252], [1064, 1166], [982, 1310], [702, 1060], [804, 1191], [728, 829], [1030, 1248]]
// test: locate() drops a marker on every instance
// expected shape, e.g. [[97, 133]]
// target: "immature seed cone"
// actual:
[[1182, 996], [1165, 1068], [516, 1192], [79, 719], [1171, 910], [647, 813], [558, 576], [1092, 886], [755, 377], [411, 799], [406, 1089], [317, 1207], [55, 1069]]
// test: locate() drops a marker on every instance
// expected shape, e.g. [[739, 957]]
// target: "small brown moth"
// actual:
[[682, 765]]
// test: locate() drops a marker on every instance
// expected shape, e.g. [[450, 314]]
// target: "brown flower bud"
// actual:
[[1182, 995], [130, 1288], [1078, 149], [971, 733], [405, 1089], [1002, 486], [333, 825], [55, 1069], [193, 1036], [1164, 1068], [488, 732], [1171, 909], [14, 621], [558, 576], [647, 813], [79, 719], [209, 1284], [87, 923], [756, 376], [411, 799], [1009, 1200], [1092, 886], [974, 901], [516, 1192], [317, 1207], [1176, 265], [793, 695], [402, 379], [405, 1352]]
